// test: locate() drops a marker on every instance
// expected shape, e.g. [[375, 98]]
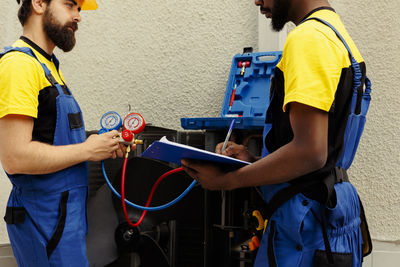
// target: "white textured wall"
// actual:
[[171, 59], [166, 59]]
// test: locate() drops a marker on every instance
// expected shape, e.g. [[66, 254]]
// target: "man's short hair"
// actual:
[[25, 10]]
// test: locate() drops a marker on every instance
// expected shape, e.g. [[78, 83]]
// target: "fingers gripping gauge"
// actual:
[[134, 122], [111, 121]]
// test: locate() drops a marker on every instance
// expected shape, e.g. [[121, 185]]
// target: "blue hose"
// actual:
[[141, 207]]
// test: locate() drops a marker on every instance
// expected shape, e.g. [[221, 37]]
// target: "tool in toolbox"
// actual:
[[243, 65], [232, 98], [247, 93]]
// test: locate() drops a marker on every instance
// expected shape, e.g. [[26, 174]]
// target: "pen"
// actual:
[[228, 136]]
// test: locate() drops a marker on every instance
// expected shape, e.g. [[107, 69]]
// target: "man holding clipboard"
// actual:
[[314, 212]]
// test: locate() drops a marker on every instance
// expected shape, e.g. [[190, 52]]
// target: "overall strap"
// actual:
[[354, 64], [359, 106], [59, 88], [47, 72]]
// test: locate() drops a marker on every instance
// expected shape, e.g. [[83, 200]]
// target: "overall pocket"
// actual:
[[339, 259]]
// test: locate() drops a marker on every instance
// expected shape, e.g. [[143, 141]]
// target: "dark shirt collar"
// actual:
[[36, 47], [315, 10]]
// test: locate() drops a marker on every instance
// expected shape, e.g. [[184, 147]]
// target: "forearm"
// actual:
[[41, 158], [285, 164], [305, 153], [20, 155]]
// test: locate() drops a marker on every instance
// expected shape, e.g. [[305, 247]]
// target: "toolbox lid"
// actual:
[[246, 95]]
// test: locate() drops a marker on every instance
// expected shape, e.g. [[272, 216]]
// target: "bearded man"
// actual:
[[43, 145], [315, 217]]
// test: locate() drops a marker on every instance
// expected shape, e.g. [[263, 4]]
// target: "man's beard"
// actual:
[[61, 35], [280, 13]]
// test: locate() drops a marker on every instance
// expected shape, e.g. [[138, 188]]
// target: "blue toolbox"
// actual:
[[247, 93]]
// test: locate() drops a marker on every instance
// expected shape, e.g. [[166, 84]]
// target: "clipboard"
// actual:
[[173, 152]]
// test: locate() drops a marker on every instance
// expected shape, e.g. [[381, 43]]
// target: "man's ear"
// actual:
[[39, 6]]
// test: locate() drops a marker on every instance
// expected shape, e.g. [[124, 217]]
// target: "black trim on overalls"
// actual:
[[55, 239], [15, 215], [366, 236], [327, 245], [54, 83], [271, 252], [75, 120], [339, 176]]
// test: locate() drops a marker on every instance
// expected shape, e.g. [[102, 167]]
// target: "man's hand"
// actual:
[[235, 151], [209, 176], [106, 145], [102, 146]]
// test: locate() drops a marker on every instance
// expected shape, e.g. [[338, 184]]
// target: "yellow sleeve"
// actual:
[[19, 85], [312, 69]]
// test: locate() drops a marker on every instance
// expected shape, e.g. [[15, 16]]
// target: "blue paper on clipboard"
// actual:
[[172, 152]]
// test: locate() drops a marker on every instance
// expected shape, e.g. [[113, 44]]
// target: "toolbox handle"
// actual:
[[270, 57]]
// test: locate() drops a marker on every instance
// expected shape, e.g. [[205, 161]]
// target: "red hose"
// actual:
[[162, 177]]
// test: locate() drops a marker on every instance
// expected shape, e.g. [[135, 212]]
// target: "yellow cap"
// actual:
[[89, 5]]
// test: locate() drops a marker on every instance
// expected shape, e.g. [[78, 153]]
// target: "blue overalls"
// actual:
[[301, 230], [46, 214], [294, 234]]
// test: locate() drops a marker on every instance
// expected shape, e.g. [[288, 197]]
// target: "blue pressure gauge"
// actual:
[[111, 121]]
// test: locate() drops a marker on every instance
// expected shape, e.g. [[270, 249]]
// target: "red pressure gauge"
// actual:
[[134, 122], [127, 135]]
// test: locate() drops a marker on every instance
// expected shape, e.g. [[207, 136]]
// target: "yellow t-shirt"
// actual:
[[315, 70], [313, 59], [21, 79]]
